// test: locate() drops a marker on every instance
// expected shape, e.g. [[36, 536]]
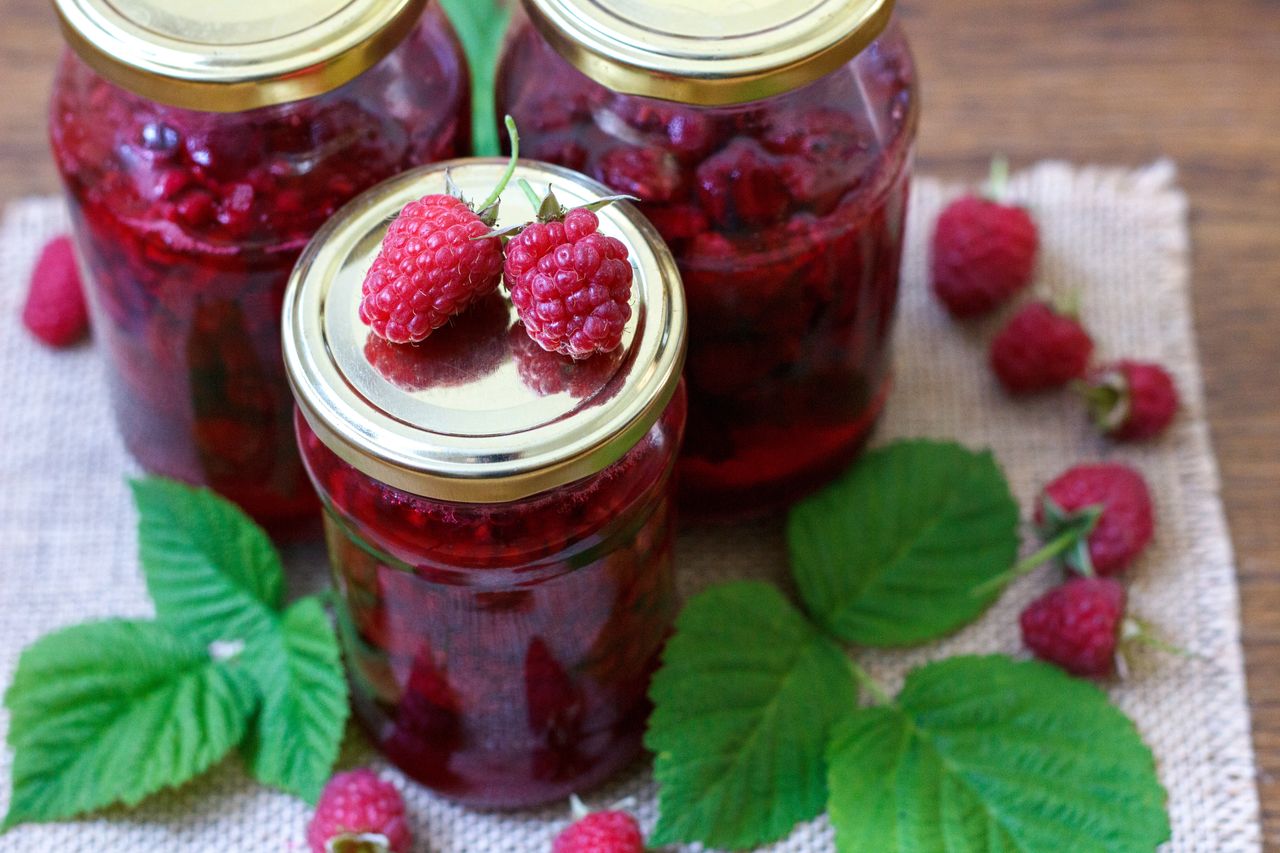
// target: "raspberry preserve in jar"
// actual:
[[771, 143], [499, 518], [201, 145]]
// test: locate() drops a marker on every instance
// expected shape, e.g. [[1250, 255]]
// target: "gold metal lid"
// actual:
[[469, 415], [713, 53], [233, 55]]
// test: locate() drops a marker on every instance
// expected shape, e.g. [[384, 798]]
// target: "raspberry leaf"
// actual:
[[481, 26], [907, 546], [987, 753], [744, 702], [296, 737], [113, 711], [213, 574]]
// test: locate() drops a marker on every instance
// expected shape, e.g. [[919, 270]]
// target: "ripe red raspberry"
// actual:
[[431, 265], [1126, 523], [359, 813], [984, 252], [1040, 349], [1077, 625], [55, 310], [1131, 400], [599, 832], [430, 268], [571, 285]]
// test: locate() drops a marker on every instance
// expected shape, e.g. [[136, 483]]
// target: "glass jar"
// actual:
[[499, 518], [199, 157], [771, 145]]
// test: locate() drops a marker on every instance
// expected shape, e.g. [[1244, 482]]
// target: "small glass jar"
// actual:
[[200, 150], [771, 145], [499, 518]]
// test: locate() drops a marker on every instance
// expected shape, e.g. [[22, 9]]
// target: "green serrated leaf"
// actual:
[[743, 705], [481, 26], [989, 754], [895, 551], [212, 572], [114, 711], [296, 737]]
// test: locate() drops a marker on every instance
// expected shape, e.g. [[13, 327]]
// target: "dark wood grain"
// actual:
[[1109, 81]]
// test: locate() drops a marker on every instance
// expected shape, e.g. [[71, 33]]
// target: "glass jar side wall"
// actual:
[[189, 223], [786, 217], [501, 654]]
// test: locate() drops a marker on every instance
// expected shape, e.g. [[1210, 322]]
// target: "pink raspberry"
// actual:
[[55, 310], [359, 813], [1077, 625], [571, 285], [600, 832], [1132, 400], [430, 268], [984, 252], [1124, 527], [1040, 349], [432, 265]]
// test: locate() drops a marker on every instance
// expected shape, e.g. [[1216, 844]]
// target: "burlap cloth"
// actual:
[[1119, 238]]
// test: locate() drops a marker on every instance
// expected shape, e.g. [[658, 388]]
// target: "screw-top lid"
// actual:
[[233, 55], [477, 413], [710, 53]]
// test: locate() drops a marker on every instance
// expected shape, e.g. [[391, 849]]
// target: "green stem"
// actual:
[[511, 165], [998, 182], [878, 693], [1055, 548], [529, 193]]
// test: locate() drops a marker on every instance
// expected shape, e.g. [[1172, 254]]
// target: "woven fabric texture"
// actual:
[[1117, 238]]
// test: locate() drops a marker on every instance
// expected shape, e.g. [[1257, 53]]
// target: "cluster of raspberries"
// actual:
[[570, 284], [984, 254]]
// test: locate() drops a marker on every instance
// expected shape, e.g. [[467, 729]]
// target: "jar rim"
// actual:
[[730, 53], [234, 55], [495, 436]]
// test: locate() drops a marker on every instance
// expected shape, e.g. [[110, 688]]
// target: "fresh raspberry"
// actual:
[[1126, 523], [1132, 400], [649, 173], [600, 832], [469, 348], [432, 264], [742, 186], [359, 813], [55, 310], [429, 269], [1077, 625], [1040, 349], [984, 252], [571, 285]]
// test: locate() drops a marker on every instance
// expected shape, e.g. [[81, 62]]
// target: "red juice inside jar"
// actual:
[[499, 518], [500, 654], [188, 223], [786, 215]]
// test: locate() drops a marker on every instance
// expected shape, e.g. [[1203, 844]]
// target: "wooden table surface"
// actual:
[[1107, 81]]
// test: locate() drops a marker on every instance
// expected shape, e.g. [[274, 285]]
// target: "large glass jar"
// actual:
[[499, 519], [771, 145], [196, 178]]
